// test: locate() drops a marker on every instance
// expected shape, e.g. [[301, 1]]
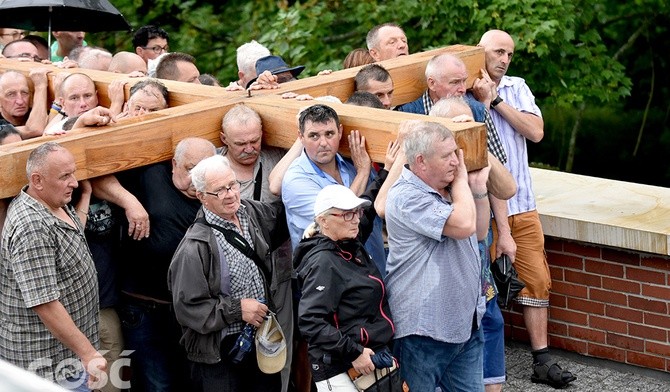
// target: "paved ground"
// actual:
[[592, 374]]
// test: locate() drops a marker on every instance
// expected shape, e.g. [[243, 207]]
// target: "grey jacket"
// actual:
[[194, 278]]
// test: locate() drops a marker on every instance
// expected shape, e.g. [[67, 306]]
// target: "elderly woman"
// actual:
[[343, 311]]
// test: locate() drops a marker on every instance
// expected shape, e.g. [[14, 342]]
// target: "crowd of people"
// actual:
[[195, 256]]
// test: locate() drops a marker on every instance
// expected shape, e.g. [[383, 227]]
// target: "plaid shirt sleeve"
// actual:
[[493, 141]]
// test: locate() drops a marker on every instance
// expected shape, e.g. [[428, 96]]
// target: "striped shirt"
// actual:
[[515, 92]]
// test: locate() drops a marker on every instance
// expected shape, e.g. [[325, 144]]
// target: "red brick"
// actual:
[[607, 296], [648, 361], [556, 328], [621, 256], [557, 300], [625, 342], [553, 244], [577, 346], [569, 289], [568, 316], [657, 320], [621, 285], [581, 249], [659, 263], [657, 348], [588, 334], [580, 277], [627, 314], [603, 268], [613, 353], [647, 304], [645, 276], [608, 324], [586, 306], [656, 291], [567, 261], [645, 332], [556, 273]]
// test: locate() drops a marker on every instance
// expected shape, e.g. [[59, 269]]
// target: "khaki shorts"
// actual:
[[531, 259]]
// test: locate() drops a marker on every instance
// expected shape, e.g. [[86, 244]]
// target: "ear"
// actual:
[[430, 82], [36, 181], [222, 136], [200, 196], [240, 75], [174, 165], [341, 130], [373, 52], [138, 51]]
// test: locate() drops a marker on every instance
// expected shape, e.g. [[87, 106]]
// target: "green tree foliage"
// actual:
[[573, 53]]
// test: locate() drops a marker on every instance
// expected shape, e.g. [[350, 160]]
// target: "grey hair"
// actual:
[[372, 39], [239, 114], [151, 83], [436, 65], [451, 107], [90, 58], [421, 138], [248, 54], [38, 157], [189, 143], [199, 172], [314, 228]]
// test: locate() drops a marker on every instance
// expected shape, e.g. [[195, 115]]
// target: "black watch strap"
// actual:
[[496, 101]]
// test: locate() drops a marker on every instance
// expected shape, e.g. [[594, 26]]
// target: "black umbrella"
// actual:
[[61, 15]]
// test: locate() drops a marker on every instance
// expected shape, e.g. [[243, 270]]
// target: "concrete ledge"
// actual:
[[605, 212]]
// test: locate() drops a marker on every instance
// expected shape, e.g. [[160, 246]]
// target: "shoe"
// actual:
[[552, 374]]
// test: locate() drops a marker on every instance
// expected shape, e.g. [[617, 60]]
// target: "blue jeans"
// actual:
[[494, 344], [426, 363], [78, 383], [158, 362]]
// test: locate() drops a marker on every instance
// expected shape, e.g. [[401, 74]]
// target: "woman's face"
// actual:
[[340, 224]]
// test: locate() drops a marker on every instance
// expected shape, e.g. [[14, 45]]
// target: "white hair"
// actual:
[[248, 54], [199, 172]]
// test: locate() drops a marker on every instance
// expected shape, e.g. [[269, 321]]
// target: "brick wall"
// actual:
[[607, 303]]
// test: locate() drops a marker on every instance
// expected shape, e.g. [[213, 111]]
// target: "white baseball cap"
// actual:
[[337, 196]]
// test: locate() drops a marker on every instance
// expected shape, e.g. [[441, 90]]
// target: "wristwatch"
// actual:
[[496, 101]]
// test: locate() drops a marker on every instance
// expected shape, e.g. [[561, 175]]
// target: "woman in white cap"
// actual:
[[343, 311]]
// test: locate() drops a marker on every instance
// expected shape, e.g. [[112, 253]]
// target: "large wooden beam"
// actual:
[[197, 111]]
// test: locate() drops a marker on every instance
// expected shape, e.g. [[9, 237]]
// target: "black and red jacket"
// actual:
[[343, 307]]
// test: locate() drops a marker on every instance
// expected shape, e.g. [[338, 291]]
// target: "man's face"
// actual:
[[24, 51], [181, 171], [14, 97], [440, 167], [383, 91], [56, 179], [155, 47], [188, 72], [79, 95], [450, 81], [69, 40], [146, 100], [9, 34], [499, 54], [321, 141], [243, 141], [392, 43], [227, 202]]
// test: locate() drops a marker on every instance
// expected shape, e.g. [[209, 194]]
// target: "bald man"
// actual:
[[518, 230], [128, 63]]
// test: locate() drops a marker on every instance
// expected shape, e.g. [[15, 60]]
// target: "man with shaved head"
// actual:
[[518, 119], [128, 63]]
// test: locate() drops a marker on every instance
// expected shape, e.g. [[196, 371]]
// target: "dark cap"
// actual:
[[275, 65]]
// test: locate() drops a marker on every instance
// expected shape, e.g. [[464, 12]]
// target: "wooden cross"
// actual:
[[196, 111]]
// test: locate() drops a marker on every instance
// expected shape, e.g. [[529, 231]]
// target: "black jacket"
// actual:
[[343, 307]]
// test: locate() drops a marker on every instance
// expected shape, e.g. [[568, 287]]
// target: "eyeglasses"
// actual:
[[35, 57], [349, 215], [157, 49], [15, 35], [221, 193]]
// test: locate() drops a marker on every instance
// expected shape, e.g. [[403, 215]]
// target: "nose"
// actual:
[[386, 100]]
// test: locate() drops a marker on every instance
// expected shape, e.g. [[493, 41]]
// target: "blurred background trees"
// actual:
[[599, 68]]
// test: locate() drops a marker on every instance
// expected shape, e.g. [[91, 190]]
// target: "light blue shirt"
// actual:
[[515, 92], [433, 281], [302, 182]]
